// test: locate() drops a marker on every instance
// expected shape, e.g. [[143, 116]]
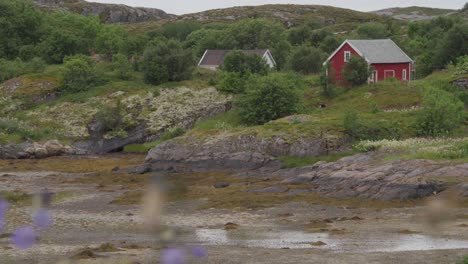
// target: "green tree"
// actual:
[[20, 25], [204, 39], [122, 66], [75, 35], [237, 68], [356, 71], [166, 61], [79, 74], [306, 60], [373, 30], [453, 45], [233, 82], [180, 30], [240, 62], [440, 114], [258, 34], [110, 39], [268, 98]]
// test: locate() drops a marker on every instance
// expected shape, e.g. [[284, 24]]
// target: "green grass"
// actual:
[[295, 162], [145, 147], [228, 120]]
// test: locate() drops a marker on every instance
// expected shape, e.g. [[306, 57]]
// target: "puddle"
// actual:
[[384, 242]]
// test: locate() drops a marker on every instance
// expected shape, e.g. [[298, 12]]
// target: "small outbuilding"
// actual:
[[383, 55], [212, 59]]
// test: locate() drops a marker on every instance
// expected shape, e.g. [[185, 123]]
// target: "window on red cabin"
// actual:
[[404, 75], [347, 56]]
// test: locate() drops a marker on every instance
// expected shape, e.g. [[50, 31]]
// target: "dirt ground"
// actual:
[[97, 219]]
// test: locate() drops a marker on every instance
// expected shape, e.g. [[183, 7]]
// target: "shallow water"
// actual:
[[383, 242]]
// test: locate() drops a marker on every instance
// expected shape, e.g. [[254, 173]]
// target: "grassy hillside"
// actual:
[[288, 14]]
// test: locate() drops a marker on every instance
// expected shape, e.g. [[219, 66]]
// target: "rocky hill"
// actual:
[[414, 13], [288, 14], [109, 13]]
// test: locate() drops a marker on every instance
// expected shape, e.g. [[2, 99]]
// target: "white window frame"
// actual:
[[375, 75], [347, 55], [404, 75]]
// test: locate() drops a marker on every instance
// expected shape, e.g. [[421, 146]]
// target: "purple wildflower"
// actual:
[[173, 256], [24, 237], [199, 252], [42, 219]]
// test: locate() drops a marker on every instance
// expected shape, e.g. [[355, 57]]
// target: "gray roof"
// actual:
[[380, 51]]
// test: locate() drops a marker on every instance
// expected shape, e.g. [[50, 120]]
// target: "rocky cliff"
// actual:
[[109, 13]]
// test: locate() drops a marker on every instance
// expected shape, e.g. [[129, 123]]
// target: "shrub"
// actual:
[[462, 65], [306, 60], [37, 65], [268, 98], [166, 61], [239, 62], [327, 81], [122, 66], [356, 71], [79, 74], [111, 120], [359, 129], [373, 31], [440, 114], [233, 82]]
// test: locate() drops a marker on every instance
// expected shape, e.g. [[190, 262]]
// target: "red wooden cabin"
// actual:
[[383, 55]]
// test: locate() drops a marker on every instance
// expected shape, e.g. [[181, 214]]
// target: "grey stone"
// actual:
[[221, 185]]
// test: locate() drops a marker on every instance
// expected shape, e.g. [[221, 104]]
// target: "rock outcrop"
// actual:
[[365, 176], [109, 13], [29, 150], [234, 152], [461, 83]]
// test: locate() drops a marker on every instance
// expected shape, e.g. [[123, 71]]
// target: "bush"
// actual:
[[462, 65], [239, 62], [11, 69], [166, 61], [233, 82], [306, 60], [373, 31], [356, 71], [110, 117], [358, 129], [268, 98], [441, 113], [327, 81], [122, 66], [79, 74]]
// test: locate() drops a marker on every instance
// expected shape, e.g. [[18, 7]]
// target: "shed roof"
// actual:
[[380, 51], [377, 51], [216, 57]]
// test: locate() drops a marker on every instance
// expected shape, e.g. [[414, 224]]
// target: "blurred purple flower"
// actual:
[[24, 237], [42, 219], [199, 252], [173, 256]]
